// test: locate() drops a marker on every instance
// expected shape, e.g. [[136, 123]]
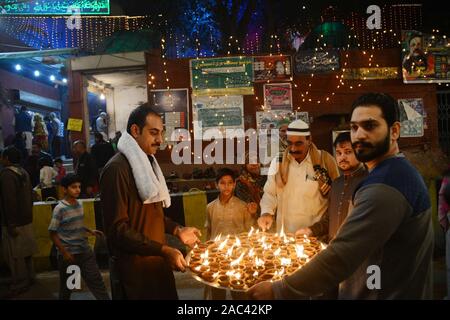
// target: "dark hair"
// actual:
[[139, 116], [69, 180], [58, 160], [23, 108], [98, 135], [12, 154], [44, 161], [387, 104], [342, 137], [222, 172]]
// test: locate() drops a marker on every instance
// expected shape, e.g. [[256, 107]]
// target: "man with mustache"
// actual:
[[298, 183], [342, 188], [133, 194], [384, 249], [416, 62]]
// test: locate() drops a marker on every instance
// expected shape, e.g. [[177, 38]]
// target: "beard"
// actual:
[[371, 151]]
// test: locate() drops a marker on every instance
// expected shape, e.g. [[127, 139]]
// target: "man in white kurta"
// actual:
[[296, 188]]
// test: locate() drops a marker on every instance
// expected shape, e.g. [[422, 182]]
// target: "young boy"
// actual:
[[59, 167], [68, 233], [227, 215], [46, 176]]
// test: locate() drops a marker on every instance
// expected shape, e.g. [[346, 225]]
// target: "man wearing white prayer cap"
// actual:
[[298, 183]]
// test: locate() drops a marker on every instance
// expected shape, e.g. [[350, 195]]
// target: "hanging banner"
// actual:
[[173, 106], [222, 76], [310, 61], [372, 73], [217, 113], [60, 7], [412, 114], [425, 58], [278, 96], [273, 119], [277, 67]]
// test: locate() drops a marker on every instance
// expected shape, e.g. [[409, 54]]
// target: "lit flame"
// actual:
[[238, 242], [251, 253], [266, 246], [218, 237], [238, 260], [223, 244], [205, 263], [257, 231], [230, 251], [285, 261], [277, 252], [230, 273], [299, 249], [263, 239], [282, 232], [197, 268], [215, 275], [306, 238], [204, 255], [237, 275], [322, 246], [255, 274], [259, 262], [251, 231]]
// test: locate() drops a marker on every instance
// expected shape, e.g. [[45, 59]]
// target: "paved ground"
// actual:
[[46, 286]]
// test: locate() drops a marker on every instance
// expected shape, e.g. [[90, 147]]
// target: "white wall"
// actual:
[[119, 104]]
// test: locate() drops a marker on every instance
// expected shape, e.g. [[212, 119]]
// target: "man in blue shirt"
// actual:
[[384, 249]]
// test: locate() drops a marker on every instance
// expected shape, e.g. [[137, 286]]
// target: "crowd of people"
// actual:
[[365, 202]]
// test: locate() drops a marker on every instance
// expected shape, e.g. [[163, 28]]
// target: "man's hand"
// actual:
[[67, 256], [303, 231], [265, 221], [13, 231], [261, 291], [252, 208], [174, 257], [188, 235]]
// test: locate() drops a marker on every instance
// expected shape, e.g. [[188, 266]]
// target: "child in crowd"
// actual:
[[59, 167], [227, 215], [68, 233], [46, 177]]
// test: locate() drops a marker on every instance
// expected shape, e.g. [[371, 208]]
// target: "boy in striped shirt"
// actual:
[[68, 233]]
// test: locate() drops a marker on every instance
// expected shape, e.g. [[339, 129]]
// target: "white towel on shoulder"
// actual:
[[152, 188]]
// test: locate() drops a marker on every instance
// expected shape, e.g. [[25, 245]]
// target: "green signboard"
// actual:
[[54, 7], [222, 76]]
